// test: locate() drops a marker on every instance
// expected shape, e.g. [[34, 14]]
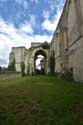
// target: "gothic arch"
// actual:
[[34, 53]]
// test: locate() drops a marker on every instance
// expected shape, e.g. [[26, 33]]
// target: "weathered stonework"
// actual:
[[27, 56], [17, 54], [68, 39], [67, 43]]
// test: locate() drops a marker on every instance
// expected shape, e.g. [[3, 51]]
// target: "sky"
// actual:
[[26, 21]]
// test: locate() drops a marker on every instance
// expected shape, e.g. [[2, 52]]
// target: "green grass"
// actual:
[[40, 100]]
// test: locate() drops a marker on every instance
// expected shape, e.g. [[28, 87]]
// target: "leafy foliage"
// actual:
[[68, 75], [0, 68], [45, 45], [11, 66], [52, 62], [23, 69]]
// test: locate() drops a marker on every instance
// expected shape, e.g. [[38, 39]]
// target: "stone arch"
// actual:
[[34, 53]]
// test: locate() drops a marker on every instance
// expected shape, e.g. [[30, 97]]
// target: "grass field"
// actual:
[[40, 100]]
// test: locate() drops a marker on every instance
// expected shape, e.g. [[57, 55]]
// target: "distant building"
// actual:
[[28, 57]]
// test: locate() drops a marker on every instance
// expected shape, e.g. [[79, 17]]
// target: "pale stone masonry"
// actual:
[[27, 56], [18, 53], [68, 39], [67, 43]]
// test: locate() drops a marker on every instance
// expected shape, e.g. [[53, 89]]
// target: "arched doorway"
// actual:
[[40, 62]]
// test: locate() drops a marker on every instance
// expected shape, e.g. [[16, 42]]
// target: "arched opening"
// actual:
[[40, 62]]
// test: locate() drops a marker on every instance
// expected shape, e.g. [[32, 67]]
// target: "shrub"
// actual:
[[67, 75]]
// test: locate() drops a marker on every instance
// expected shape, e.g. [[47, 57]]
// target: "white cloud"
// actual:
[[27, 27], [12, 37], [46, 14], [32, 19], [56, 4], [50, 25]]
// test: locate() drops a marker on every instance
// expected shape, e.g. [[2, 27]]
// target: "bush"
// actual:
[[67, 75]]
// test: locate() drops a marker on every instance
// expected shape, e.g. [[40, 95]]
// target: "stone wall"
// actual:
[[75, 39], [68, 39], [18, 55], [9, 75]]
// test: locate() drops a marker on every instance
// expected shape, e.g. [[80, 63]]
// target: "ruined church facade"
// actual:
[[67, 44], [28, 57]]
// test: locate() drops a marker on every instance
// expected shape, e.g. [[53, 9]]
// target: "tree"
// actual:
[[52, 62], [45, 45], [23, 69], [11, 66], [1, 69]]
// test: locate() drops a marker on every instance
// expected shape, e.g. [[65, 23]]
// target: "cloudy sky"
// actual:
[[26, 21]]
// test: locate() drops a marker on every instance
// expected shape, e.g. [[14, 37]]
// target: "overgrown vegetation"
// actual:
[[11, 67], [52, 62], [68, 74], [45, 45], [1, 69], [23, 69], [40, 101]]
